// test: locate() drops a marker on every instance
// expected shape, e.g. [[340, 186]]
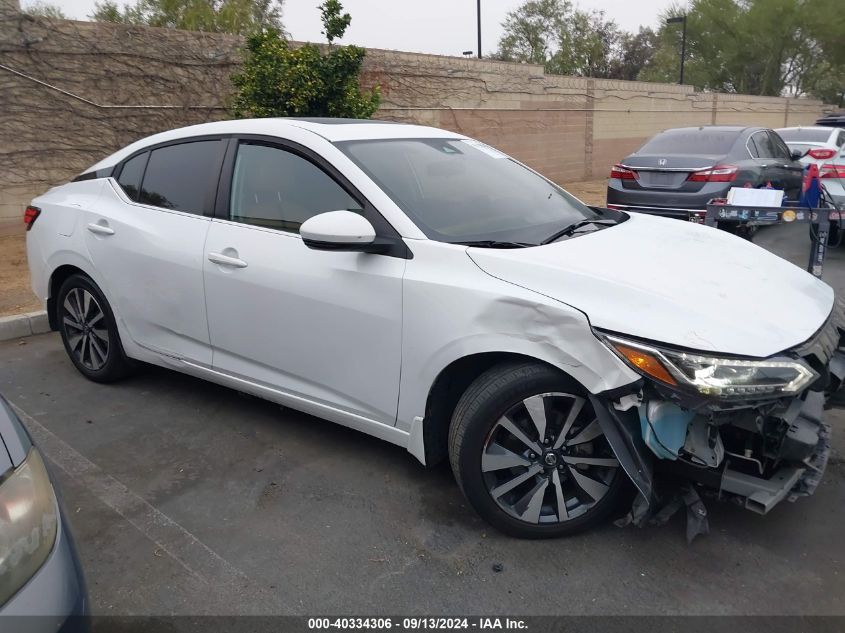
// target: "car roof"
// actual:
[[332, 129], [712, 128], [807, 127]]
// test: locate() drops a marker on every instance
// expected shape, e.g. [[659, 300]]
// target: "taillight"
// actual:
[[821, 154], [719, 173], [832, 171], [623, 173], [30, 216]]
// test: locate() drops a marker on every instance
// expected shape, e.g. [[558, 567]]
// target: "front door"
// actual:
[[318, 326]]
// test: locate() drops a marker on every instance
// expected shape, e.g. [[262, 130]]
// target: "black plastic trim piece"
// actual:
[[379, 246], [94, 175], [622, 429]]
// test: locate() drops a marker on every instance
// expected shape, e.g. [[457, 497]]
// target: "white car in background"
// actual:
[[817, 144], [832, 175], [429, 290]]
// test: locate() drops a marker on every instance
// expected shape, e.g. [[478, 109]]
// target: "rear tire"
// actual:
[[89, 331], [529, 455]]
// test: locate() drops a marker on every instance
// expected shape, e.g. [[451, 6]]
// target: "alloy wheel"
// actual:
[[84, 324], [546, 460]]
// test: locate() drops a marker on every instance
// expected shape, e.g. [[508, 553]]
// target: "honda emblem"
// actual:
[[661, 162]]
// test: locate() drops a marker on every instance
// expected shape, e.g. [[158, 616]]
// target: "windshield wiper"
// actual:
[[569, 230], [495, 244]]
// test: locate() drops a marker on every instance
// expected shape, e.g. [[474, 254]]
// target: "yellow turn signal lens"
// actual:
[[646, 363]]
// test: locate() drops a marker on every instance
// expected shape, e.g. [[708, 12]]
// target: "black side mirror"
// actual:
[[797, 154]]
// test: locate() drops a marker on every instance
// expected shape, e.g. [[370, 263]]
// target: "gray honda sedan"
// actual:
[[679, 171]]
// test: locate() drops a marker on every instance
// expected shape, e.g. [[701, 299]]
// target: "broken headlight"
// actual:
[[731, 378]]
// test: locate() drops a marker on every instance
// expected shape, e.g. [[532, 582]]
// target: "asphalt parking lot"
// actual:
[[187, 498]]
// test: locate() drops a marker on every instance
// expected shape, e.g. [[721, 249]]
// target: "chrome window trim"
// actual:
[[687, 169]]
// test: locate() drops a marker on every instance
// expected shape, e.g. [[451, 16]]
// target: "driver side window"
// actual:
[[278, 189]]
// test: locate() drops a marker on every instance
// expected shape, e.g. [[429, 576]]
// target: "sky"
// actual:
[[446, 27]]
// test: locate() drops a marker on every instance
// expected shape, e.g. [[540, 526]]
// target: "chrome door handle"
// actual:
[[225, 260], [100, 229]]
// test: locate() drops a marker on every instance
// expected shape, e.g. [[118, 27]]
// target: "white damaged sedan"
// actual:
[[431, 291]]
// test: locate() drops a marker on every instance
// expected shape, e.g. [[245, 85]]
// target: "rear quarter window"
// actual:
[[131, 174]]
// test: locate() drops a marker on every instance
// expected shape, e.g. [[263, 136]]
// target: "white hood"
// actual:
[[673, 282]]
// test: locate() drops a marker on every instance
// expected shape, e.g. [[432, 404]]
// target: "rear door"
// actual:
[[769, 167], [791, 174], [146, 240]]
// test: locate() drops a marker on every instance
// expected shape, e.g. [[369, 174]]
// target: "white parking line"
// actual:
[[243, 594]]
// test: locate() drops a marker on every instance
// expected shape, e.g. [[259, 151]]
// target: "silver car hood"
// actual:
[[673, 282]]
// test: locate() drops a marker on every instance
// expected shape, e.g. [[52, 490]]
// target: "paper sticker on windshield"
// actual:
[[481, 147]]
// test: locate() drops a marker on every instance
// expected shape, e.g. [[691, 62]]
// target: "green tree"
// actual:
[[240, 17], [588, 45], [532, 30], [109, 11], [636, 52], [279, 79], [761, 47], [565, 39], [335, 22], [42, 9]]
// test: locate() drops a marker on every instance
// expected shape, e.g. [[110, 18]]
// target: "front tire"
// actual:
[[89, 331], [529, 454]]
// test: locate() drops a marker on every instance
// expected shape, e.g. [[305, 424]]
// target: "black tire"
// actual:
[[475, 423], [89, 332], [834, 237]]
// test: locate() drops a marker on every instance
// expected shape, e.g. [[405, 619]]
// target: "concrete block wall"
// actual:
[[73, 92], [128, 82], [569, 128]]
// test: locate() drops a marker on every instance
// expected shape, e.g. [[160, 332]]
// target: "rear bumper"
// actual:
[[668, 202]]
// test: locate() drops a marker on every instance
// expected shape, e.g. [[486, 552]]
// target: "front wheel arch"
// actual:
[[560, 482], [450, 384]]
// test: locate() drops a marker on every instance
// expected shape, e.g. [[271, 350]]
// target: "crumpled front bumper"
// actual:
[[795, 478], [785, 452]]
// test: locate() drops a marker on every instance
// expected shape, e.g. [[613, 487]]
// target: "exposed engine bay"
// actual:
[[680, 447]]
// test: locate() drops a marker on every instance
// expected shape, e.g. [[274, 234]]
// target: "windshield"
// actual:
[[462, 190], [805, 135]]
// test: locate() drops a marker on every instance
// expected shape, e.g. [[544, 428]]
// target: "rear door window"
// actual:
[[183, 177], [763, 145], [779, 147], [131, 174]]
